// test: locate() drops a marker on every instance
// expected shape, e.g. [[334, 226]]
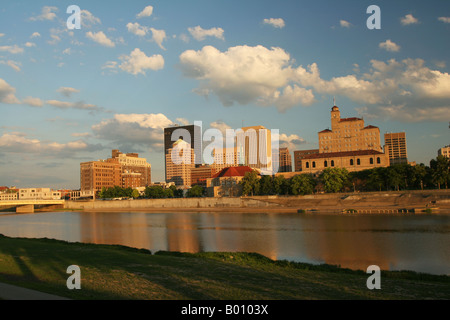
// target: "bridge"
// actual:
[[27, 206]]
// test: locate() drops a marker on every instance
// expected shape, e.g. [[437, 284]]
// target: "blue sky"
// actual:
[[134, 67]]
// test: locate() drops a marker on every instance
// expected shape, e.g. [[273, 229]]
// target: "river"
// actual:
[[393, 242]]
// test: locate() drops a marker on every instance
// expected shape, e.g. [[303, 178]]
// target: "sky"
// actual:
[[134, 67]]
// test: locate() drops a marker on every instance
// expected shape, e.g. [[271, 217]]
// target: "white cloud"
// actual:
[[138, 62], [245, 75], [158, 37], [67, 91], [88, 19], [17, 142], [33, 102], [7, 93], [137, 29], [12, 49], [182, 121], [275, 22], [134, 129], [81, 134], [100, 38], [147, 12], [55, 39], [30, 44], [2, 35], [35, 35], [444, 19], [200, 34], [13, 64], [409, 19], [48, 13], [345, 24], [292, 141], [388, 45]]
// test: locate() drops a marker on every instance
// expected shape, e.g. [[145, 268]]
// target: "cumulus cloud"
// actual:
[[7, 93], [158, 36], [138, 62], [135, 129], [200, 34], [47, 13], [245, 75], [292, 141], [35, 35], [88, 19], [388, 45], [100, 38], [267, 77], [137, 29], [275, 22], [67, 91], [147, 12], [409, 19]]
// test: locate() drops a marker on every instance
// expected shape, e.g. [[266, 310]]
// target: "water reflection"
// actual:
[[417, 243]]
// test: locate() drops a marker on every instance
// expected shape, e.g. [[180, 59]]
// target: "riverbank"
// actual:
[[430, 201], [111, 272]]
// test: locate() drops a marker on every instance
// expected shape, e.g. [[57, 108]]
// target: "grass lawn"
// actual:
[[117, 272]]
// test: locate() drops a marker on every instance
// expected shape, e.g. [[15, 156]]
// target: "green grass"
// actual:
[[118, 272]]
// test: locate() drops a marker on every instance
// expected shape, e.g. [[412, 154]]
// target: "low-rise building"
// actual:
[[226, 183], [39, 194]]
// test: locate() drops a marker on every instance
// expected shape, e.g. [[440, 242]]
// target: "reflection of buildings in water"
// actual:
[[182, 232], [115, 228], [349, 242]]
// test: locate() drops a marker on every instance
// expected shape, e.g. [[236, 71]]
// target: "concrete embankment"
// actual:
[[435, 201]]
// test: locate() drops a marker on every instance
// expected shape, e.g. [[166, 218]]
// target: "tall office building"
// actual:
[[254, 147], [397, 147], [180, 161], [192, 134], [284, 160]]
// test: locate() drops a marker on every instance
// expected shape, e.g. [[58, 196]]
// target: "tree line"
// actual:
[[150, 192], [393, 178]]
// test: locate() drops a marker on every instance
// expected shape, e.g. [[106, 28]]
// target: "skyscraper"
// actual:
[[397, 147], [254, 147], [192, 134]]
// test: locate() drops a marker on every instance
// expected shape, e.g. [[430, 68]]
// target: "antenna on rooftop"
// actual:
[[334, 101]]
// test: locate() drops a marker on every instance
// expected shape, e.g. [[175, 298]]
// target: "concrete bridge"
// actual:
[[27, 206]]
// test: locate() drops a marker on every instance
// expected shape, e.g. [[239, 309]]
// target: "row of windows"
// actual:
[[352, 162]]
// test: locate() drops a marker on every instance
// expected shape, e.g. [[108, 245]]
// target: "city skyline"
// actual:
[[135, 68]]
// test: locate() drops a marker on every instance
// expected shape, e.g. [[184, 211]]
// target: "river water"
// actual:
[[393, 242]]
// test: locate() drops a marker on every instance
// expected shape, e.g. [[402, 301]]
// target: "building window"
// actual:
[[358, 162], [351, 162], [325, 164], [378, 160], [371, 160], [313, 164], [332, 163], [307, 165]]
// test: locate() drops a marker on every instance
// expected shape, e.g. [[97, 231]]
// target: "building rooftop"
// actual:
[[342, 154], [233, 172]]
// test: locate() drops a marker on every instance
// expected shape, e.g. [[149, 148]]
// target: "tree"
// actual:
[[135, 194], [250, 183], [266, 185], [334, 179], [154, 192], [195, 191], [440, 171], [280, 185], [302, 184], [177, 193]]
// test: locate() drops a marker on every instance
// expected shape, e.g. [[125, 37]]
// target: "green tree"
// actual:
[[196, 191], [250, 183], [266, 185], [440, 171], [302, 184], [334, 179], [177, 193], [154, 192], [280, 185]]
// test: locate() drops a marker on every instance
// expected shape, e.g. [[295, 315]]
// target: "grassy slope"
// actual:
[[117, 272]]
